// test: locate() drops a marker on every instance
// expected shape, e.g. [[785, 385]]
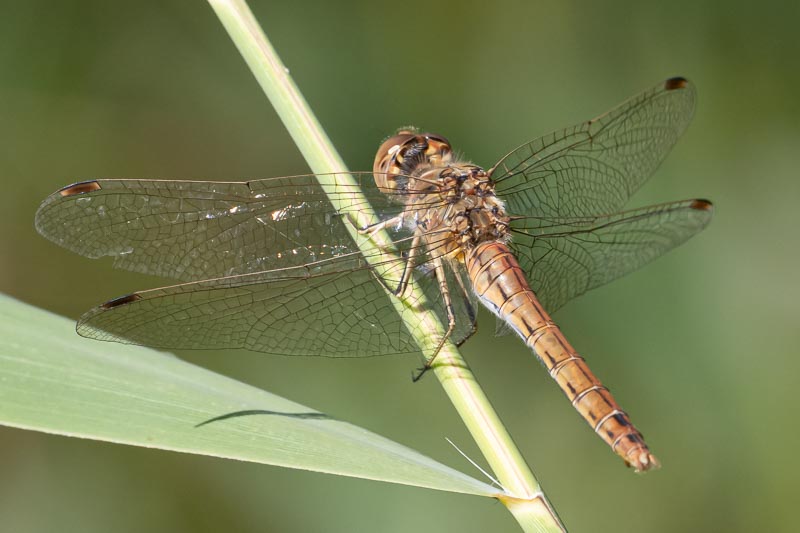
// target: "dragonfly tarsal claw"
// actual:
[[400, 289]]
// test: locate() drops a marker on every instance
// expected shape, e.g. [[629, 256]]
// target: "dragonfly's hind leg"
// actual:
[[438, 267]]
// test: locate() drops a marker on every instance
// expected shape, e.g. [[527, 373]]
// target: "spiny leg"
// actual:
[[370, 232], [410, 263], [471, 311], [372, 229], [405, 275], [408, 269], [438, 269]]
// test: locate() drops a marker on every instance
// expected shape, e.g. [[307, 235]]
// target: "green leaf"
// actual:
[[54, 381]]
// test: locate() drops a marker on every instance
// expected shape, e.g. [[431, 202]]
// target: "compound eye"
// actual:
[[389, 149], [437, 138], [387, 153], [438, 149]]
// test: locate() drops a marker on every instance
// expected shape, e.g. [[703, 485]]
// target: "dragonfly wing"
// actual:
[[194, 230], [563, 258], [501, 328], [335, 308], [282, 273], [594, 167]]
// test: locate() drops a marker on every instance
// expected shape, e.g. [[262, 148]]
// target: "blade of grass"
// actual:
[[529, 505], [54, 381]]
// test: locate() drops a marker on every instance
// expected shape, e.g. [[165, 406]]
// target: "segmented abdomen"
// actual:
[[500, 283]]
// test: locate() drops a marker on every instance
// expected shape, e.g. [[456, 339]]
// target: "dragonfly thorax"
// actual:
[[452, 202], [457, 209], [477, 215]]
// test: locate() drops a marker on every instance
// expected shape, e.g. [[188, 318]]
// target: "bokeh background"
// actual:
[[701, 346]]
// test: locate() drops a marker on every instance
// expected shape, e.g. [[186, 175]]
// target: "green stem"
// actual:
[[524, 497]]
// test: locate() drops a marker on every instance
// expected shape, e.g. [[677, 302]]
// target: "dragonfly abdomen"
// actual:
[[500, 283]]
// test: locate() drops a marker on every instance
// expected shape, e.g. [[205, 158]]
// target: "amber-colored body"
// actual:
[[469, 225], [499, 282]]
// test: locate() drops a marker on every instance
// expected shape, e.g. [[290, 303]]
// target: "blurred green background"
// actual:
[[701, 347]]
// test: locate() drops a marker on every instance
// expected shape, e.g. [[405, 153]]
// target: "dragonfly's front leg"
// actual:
[[409, 262], [438, 269], [396, 221], [372, 229]]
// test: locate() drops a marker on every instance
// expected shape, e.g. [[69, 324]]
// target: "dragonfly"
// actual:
[[274, 265]]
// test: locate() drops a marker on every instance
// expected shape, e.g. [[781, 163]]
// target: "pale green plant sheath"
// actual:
[[54, 381], [528, 503]]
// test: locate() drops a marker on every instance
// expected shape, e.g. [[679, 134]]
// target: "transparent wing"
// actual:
[[195, 230], [284, 274], [334, 308], [565, 257], [594, 167]]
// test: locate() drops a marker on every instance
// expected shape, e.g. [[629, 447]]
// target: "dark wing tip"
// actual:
[[81, 187], [676, 83], [122, 300], [702, 205]]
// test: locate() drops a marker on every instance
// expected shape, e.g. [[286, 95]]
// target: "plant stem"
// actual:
[[523, 497]]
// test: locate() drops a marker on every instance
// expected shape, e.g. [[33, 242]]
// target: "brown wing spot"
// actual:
[[122, 300], [702, 205], [675, 83], [80, 188]]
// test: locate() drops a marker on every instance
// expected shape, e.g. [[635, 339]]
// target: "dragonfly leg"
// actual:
[[408, 268], [372, 229], [451, 316], [410, 263], [471, 311]]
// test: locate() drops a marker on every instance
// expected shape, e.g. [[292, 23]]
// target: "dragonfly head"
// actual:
[[408, 152]]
